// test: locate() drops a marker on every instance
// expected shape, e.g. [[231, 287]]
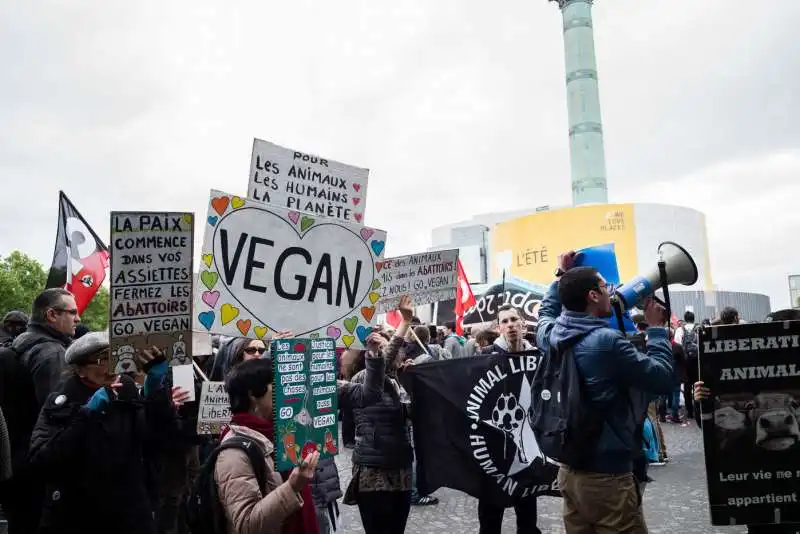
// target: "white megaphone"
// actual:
[[676, 266]]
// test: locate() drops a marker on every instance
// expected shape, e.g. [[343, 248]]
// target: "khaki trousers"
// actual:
[[601, 503]]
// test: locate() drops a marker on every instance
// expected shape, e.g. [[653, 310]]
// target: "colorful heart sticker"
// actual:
[[261, 331], [377, 247], [243, 326], [351, 323], [299, 347], [363, 333], [237, 203], [373, 297], [212, 219], [376, 284], [348, 340], [294, 216], [356, 201], [333, 332], [187, 218], [220, 204], [366, 233], [379, 266], [368, 312], [209, 279], [305, 223], [210, 298], [229, 313], [359, 216], [357, 187], [206, 319], [207, 259]]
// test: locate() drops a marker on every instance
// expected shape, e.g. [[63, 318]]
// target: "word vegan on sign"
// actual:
[[151, 286], [428, 277], [306, 402], [751, 433], [302, 182], [266, 269]]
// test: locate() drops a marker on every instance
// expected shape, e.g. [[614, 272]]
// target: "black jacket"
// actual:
[[96, 463], [325, 487], [41, 351], [382, 435]]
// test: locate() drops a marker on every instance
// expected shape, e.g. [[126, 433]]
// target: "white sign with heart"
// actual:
[[265, 269]]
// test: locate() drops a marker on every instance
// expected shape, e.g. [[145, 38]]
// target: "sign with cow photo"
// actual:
[[750, 428]]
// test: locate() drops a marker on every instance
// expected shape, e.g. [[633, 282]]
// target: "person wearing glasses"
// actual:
[[40, 351], [600, 490], [94, 440]]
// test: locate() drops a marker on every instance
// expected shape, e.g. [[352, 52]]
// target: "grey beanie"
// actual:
[[85, 346], [16, 316]]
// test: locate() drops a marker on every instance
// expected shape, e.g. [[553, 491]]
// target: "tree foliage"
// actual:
[[22, 278]]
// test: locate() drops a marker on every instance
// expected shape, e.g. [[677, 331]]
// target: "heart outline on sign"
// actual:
[[220, 204], [377, 247], [348, 340], [301, 236], [243, 326], [294, 216], [363, 332], [306, 223], [368, 312], [350, 323], [237, 202], [212, 219], [357, 187], [373, 297], [209, 279], [366, 233], [207, 319], [333, 332], [210, 297], [356, 201], [376, 284], [229, 313], [359, 216], [207, 259], [261, 331]]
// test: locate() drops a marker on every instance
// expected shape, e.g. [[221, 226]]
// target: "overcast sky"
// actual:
[[456, 106]]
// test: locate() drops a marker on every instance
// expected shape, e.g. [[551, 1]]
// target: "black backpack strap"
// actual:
[[254, 452]]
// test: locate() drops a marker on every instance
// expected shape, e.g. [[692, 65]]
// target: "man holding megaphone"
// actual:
[[615, 381]]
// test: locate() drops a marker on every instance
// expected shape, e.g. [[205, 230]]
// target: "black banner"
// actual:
[[750, 426], [516, 293], [472, 428]]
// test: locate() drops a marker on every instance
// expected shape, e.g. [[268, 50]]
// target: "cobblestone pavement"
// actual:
[[676, 502]]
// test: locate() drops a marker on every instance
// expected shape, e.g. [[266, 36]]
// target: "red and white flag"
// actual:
[[80, 257], [464, 299]]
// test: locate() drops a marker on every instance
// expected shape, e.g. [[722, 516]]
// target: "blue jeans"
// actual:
[[674, 402]]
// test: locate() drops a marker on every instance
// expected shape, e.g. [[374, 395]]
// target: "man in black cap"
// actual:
[[14, 323]]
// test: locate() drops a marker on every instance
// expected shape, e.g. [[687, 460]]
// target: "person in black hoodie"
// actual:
[[40, 351], [92, 442], [14, 323]]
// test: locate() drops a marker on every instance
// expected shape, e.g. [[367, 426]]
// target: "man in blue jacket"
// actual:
[[603, 495]]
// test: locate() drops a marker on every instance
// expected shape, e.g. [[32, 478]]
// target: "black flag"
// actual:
[[472, 431], [80, 257]]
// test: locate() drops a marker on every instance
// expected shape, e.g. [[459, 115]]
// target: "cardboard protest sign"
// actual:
[[297, 181], [428, 277], [151, 286], [269, 269], [750, 425], [306, 402], [214, 410]]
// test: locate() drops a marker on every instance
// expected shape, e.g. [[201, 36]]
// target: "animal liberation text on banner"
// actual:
[[428, 277], [215, 408], [151, 286], [751, 434], [305, 404], [310, 184], [266, 269]]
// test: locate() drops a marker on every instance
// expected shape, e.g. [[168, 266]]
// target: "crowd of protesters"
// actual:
[[85, 450]]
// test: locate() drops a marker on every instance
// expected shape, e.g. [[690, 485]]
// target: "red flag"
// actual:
[[394, 318], [464, 299], [80, 257]]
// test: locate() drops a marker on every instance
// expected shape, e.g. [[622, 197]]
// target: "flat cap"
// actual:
[[82, 348]]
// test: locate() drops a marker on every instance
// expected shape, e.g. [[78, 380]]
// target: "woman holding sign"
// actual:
[[381, 484], [94, 439]]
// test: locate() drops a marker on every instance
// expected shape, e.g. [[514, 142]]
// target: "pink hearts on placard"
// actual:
[[357, 187], [356, 201], [210, 298], [334, 332], [294, 216], [366, 233], [359, 216]]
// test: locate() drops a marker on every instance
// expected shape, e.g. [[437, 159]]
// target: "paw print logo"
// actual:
[[507, 414]]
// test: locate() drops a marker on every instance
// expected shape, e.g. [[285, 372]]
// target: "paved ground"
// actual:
[[676, 502]]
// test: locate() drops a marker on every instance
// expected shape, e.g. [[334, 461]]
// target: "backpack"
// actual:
[[17, 393], [564, 423], [689, 343], [204, 512], [650, 439]]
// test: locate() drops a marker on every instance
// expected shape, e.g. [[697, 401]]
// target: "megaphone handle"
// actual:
[[662, 272]]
